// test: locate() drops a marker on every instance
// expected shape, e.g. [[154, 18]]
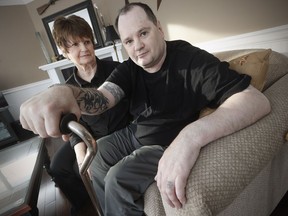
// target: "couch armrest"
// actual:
[[226, 166]]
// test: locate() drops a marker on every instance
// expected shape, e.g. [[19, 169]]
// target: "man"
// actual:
[[167, 83]]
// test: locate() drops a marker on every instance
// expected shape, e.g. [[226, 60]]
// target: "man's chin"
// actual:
[[142, 63]]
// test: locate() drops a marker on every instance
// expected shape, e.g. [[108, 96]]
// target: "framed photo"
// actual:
[[86, 11]]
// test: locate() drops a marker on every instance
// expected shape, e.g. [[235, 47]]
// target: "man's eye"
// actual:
[[87, 42], [143, 33], [128, 42]]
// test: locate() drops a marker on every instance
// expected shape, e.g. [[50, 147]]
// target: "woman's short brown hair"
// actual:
[[72, 27]]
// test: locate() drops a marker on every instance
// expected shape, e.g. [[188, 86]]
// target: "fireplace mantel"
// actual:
[[54, 69]]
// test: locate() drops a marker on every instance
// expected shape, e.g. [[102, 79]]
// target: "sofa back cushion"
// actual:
[[278, 67]]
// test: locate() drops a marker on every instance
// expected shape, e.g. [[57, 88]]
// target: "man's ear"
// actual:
[[160, 28]]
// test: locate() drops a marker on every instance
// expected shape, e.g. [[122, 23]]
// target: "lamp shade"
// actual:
[[111, 35]]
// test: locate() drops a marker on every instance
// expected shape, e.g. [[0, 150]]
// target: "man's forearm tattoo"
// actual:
[[115, 90], [92, 101]]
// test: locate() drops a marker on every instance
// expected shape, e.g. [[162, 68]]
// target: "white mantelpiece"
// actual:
[[54, 69]]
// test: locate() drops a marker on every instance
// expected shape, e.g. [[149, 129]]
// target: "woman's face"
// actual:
[[80, 51]]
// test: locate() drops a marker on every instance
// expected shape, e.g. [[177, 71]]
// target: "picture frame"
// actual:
[[85, 10]]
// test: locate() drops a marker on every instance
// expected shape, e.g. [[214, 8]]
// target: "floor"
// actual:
[[51, 201]]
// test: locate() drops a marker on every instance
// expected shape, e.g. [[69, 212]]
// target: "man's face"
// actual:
[[143, 41]]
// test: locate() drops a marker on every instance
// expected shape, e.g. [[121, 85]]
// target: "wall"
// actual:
[[20, 53], [192, 20], [199, 21]]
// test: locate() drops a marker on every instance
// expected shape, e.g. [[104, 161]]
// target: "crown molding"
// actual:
[[14, 2]]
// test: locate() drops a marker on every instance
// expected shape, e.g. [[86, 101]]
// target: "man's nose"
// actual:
[[138, 44]]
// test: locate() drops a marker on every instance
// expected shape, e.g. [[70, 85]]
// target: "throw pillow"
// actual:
[[254, 64]]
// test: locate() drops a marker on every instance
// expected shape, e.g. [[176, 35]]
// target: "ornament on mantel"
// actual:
[[158, 3]]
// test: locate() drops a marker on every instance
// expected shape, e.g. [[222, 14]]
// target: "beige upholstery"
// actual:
[[226, 168]]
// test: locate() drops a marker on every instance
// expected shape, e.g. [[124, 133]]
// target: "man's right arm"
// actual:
[[42, 113]]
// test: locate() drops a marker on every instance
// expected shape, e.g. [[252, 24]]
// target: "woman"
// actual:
[[74, 37]]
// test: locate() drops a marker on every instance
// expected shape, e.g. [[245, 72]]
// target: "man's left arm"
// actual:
[[238, 111]]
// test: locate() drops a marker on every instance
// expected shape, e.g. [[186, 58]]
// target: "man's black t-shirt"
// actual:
[[110, 121], [163, 103]]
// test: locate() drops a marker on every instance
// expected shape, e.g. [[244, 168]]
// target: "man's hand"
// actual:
[[173, 170], [42, 113]]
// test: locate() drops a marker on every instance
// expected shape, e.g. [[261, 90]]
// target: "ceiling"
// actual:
[[14, 2]]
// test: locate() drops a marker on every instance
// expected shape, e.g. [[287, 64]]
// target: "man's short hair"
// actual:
[[151, 16]]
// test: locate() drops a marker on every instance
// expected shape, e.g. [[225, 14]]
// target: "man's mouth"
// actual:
[[142, 55]]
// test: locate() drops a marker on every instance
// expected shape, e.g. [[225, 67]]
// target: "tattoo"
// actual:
[[115, 90], [92, 101]]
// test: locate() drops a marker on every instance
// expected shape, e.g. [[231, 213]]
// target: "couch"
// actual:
[[245, 173]]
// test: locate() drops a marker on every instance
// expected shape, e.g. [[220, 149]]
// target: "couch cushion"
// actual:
[[153, 205]]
